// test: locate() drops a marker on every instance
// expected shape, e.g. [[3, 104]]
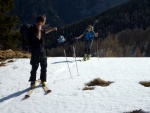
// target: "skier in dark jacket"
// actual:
[[88, 41], [38, 52]]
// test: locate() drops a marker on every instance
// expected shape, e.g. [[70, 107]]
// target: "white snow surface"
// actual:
[[67, 96]]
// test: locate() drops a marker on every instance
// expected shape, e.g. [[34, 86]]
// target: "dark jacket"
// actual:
[[34, 42]]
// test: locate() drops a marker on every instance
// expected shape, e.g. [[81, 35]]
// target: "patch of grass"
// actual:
[[145, 83], [2, 64], [10, 61], [10, 54], [26, 56], [137, 111], [88, 88], [98, 82]]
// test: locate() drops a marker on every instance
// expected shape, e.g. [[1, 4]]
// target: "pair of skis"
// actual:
[[45, 88]]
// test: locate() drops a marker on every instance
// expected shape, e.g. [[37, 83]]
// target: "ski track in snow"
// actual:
[[125, 94]]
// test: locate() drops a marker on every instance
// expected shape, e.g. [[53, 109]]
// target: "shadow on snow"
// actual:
[[15, 94], [64, 62]]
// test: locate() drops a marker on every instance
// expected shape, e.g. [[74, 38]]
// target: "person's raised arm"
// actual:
[[50, 30], [81, 35], [39, 32]]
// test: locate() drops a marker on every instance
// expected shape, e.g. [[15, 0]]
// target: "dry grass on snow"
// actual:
[[2, 64], [96, 82], [9, 54], [138, 111], [145, 83], [10, 61], [88, 88]]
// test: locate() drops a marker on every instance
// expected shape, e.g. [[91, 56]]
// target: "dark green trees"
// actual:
[[8, 37]]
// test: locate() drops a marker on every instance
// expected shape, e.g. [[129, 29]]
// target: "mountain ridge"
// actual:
[[61, 12]]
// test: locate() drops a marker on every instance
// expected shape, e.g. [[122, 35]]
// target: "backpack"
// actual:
[[24, 31]]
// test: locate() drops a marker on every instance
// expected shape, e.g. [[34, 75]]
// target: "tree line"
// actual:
[[128, 22], [131, 16], [9, 37]]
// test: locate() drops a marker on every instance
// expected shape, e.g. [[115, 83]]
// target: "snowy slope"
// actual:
[[67, 96]]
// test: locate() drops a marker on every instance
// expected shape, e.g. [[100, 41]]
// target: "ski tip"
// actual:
[[26, 96], [47, 92]]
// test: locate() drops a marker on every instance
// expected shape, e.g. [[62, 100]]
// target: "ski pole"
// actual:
[[67, 62], [75, 59], [97, 50], [95, 22]]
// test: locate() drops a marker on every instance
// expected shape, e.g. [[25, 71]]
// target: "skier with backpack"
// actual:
[[36, 43], [88, 41], [24, 36]]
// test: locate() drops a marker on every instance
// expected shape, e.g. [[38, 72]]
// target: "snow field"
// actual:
[[125, 94]]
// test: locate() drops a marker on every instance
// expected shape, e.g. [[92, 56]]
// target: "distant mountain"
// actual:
[[61, 12], [27, 10], [130, 21], [73, 10], [130, 15]]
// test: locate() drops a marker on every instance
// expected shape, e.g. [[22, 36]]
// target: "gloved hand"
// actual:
[[96, 34], [54, 28]]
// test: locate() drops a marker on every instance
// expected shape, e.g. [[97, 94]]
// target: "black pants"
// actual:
[[38, 56], [88, 46]]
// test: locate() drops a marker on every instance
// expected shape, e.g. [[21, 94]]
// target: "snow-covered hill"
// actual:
[[67, 96]]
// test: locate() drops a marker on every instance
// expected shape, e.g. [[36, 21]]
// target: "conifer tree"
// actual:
[[8, 38]]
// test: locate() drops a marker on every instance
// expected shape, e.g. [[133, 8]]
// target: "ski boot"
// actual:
[[88, 57], [32, 85], [84, 57], [43, 83]]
